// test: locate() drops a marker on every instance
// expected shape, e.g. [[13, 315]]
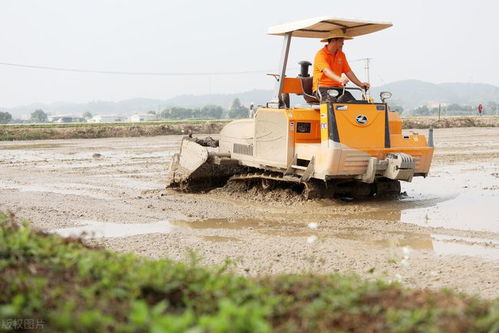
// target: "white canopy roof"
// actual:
[[320, 27]]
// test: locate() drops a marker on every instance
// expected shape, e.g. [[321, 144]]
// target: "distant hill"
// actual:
[[408, 93]]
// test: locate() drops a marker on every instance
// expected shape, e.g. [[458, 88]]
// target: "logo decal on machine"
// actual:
[[361, 119]]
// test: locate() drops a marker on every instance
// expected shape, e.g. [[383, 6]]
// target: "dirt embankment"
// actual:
[[450, 122], [94, 131], [88, 131]]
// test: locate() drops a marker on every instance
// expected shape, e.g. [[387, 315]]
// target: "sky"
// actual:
[[434, 41]]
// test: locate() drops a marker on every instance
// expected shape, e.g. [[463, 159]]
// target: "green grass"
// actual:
[[71, 287]]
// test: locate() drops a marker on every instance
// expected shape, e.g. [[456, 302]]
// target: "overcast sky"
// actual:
[[435, 41]]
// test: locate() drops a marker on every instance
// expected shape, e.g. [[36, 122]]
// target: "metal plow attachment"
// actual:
[[197, 168]]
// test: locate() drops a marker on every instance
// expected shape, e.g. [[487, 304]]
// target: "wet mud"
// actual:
[[442, 233]]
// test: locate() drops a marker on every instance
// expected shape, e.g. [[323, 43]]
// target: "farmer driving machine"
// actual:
[[337, 146]]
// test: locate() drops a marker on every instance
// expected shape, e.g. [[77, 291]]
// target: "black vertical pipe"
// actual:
[[333, 126], [387, 129]]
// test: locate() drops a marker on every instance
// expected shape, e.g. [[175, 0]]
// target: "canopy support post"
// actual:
[[282, 72]]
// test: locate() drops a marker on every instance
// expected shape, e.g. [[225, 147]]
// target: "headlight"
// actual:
[[333, 92], [385, 95]]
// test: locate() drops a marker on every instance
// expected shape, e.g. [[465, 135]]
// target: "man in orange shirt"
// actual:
[[329, 64]]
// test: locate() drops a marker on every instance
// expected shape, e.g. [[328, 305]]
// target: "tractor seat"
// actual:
[[308, 94]]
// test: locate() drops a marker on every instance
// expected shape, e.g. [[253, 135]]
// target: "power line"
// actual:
[[76, 70]]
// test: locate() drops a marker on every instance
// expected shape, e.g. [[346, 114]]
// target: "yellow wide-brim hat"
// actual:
[[338, 33]]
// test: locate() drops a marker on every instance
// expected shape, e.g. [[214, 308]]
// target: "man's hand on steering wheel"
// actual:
[[365, 85]]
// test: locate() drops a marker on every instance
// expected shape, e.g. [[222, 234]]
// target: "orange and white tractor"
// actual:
[[329, 147]]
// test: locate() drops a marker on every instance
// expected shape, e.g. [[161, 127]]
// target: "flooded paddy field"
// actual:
[[442, 233]]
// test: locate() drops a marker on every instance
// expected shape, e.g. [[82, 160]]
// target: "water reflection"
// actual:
[[457, 197], [468, 211], [94, 229], [311, 233], [465, 246]]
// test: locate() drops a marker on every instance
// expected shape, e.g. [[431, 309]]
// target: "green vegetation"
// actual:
[[5, 117], [38, 116], [206, 112], [67, 286], [87, 115], [237, 110]]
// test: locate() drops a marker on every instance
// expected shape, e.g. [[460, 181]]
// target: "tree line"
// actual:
[[37, 116], [236, 110]]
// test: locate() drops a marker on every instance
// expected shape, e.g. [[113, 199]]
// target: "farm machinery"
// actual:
[[325, 147]]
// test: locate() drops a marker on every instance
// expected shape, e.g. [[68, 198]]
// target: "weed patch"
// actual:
[[69, 286]]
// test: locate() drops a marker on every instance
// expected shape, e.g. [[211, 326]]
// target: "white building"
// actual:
[[142, 117], [65, 119], [107, 119]]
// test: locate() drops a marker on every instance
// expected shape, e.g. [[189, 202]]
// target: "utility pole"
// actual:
[[367, 60], [366, 67]]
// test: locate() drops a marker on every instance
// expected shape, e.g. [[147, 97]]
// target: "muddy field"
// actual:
[[443, 233]]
